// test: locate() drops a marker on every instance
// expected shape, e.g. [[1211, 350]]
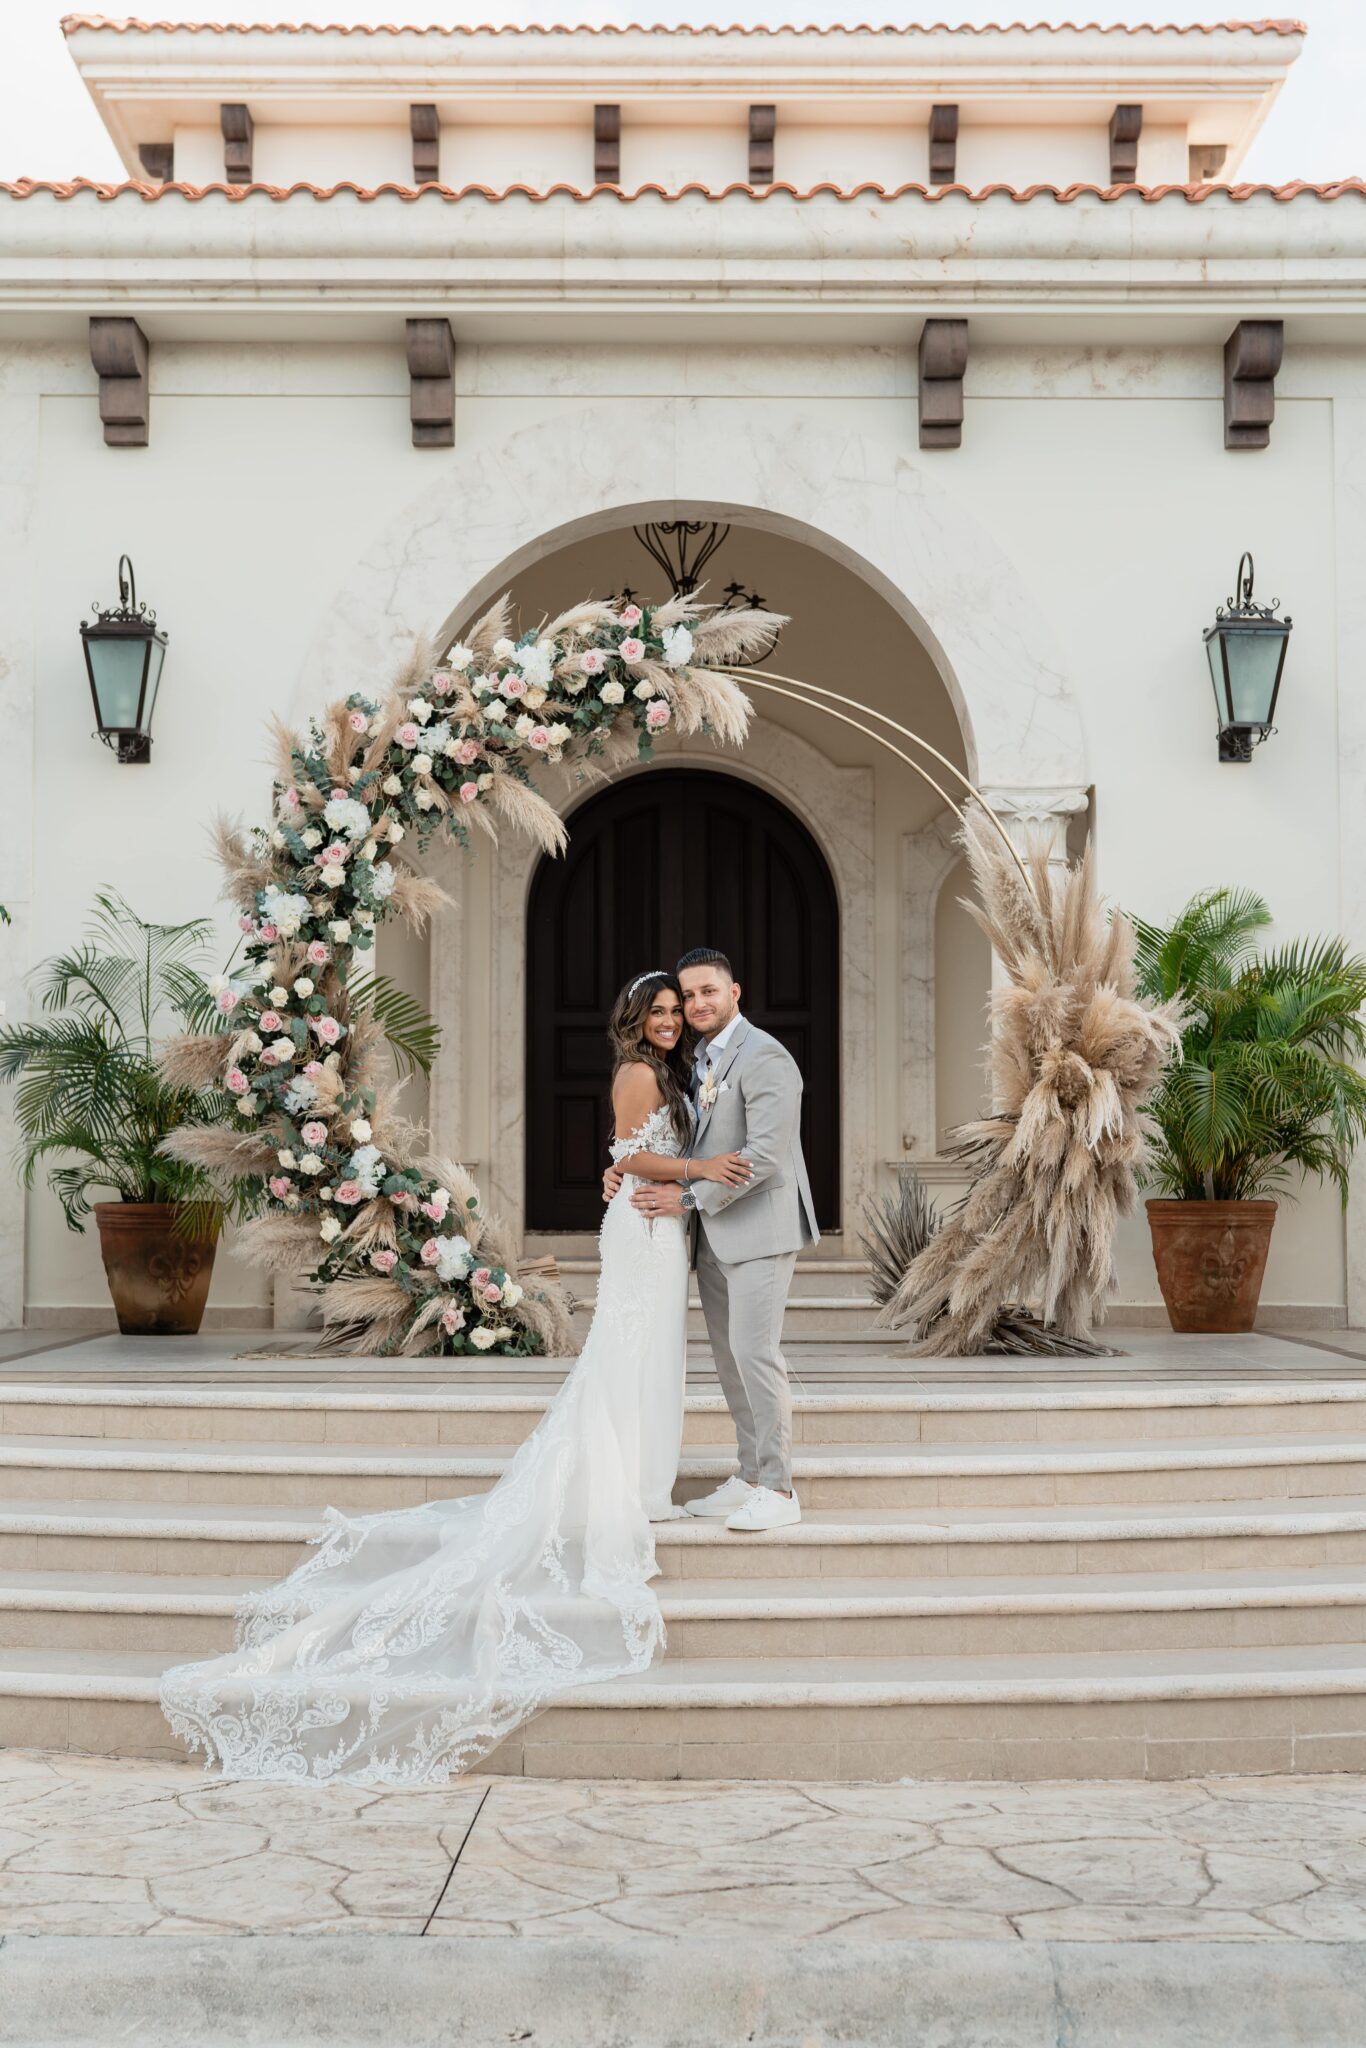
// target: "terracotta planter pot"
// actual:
[[1210, 1260], [159, 1279]]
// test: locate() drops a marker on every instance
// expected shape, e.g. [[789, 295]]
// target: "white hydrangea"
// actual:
[[347, 814], [420, 710], [459, 658], [537, 663], [503, 650], [300, 1096], [366, 1168], [285, 911], [677, 646], [454, 1258]]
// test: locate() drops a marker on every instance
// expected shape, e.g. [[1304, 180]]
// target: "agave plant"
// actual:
[[86, 1075], [1266, 1090]]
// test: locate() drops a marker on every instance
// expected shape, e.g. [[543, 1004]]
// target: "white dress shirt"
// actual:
[[710, 1050]]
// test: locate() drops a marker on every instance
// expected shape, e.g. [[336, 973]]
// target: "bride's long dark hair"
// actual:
[[626, 1034]]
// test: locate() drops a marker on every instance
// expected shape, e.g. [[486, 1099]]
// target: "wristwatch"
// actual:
[[687, 1200]]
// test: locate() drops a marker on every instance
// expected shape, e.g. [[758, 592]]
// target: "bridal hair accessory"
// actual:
[[655, 974]]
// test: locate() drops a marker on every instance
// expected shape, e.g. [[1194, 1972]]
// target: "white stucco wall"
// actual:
[[1100, 477]]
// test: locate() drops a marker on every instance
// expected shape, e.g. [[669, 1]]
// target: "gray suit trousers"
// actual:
[[744, 1305]]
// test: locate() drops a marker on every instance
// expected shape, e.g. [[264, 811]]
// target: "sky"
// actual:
[[1317, 131]]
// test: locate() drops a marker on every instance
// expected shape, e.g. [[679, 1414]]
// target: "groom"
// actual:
[[747, 1090]]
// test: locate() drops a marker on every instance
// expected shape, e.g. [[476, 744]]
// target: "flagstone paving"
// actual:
[[92, 1845]]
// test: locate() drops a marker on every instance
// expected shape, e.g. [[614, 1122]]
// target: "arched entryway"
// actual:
[[658, 863]]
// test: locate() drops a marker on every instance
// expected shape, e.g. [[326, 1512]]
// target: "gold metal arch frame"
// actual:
[[821, 699]]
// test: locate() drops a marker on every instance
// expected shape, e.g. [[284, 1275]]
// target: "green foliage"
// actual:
[[414, 1038], [85, 1077], [1267, 1089]]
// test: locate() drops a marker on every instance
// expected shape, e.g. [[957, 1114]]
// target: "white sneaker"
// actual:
[[766, 1509], [729, 1495]]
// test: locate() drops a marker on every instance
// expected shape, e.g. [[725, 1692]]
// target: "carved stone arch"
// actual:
[[868, 501], [836, 806]]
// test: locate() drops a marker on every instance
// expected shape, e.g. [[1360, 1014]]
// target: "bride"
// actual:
[[408, 1644]]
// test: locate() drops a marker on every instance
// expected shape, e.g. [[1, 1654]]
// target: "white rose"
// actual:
[[279, 995], [310, 1163], [367, 918], [246, 1105], [497, 711], [420, 709], [369, 850], [324, 1194], [559, 734], [340, 930], [512, 1293], [287, 1159], [524, 726], [250, 1042], [574, 684], [486, 781], [644, 691], [353, 774], [425, 799], [375, 727], [283, 1048], [484, 1339], [612, 693], [277, 839], [395, 832], [503, 650], [459, 658], [677, 646], [391, 785], [303, 986], [534, 699], [333, 875], [329, 1228], [451, 749], [360, 1130], [421, 764], [312, 837]]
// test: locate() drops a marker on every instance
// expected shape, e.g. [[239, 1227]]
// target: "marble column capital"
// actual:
[[1038, 812]]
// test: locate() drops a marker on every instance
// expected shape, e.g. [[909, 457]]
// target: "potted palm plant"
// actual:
[[1265, 1092], [91, 1104]]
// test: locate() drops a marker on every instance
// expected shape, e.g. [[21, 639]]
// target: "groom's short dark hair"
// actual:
[[706, 956]]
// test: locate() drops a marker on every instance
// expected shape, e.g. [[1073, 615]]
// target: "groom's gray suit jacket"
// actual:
[[757, 1111]]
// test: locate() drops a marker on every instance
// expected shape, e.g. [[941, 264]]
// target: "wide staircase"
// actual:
[[1151, 1566]]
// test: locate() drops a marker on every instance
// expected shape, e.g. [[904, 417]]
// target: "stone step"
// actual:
[[836, 1317], [1183, 1714], [477, 1411], [224, 1538], [812, 1279], [361, 1479], [188, 1616]]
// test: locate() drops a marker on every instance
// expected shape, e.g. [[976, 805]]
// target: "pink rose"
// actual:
[[430, 1252], [335, 852], [631, 615], [633, 650], [441, 682], [452, 1319], [271, 1022], [358, 721], [267, 1058], [540, 739], [312, 1070], [408, 735], [384, 1262], [657, 717], [467, 751], [492, 1293], [350, 1192], [246, 924], [594, 662], [337, 795], [235, 1081], [468, 792], [435, 1210], [328, 1029], [227, 1000], [314, 1134], [481, 1276], [291, 796], [513, 686], [279, 1186], [318, 954], [269, 931]]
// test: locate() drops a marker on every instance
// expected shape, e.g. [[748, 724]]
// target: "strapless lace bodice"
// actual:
[[656, 1134]]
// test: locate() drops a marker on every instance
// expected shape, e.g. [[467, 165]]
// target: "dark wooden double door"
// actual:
[[674, 858]]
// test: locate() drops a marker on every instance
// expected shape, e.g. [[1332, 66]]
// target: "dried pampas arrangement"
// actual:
[[1074, 1055]]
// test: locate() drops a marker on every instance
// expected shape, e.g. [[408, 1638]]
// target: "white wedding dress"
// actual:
[[408, 1644]]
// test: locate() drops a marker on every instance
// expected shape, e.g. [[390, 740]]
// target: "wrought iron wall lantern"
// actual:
[[683, 548], [1246, 650], [124, 652]]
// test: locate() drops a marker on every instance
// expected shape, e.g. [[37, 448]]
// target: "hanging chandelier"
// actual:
[[682, 548]]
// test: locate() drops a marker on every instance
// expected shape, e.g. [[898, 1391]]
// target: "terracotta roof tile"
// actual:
[[130, 25], [26, 188]]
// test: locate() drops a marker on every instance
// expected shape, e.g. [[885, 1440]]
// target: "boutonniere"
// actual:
[[708, 1092]]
